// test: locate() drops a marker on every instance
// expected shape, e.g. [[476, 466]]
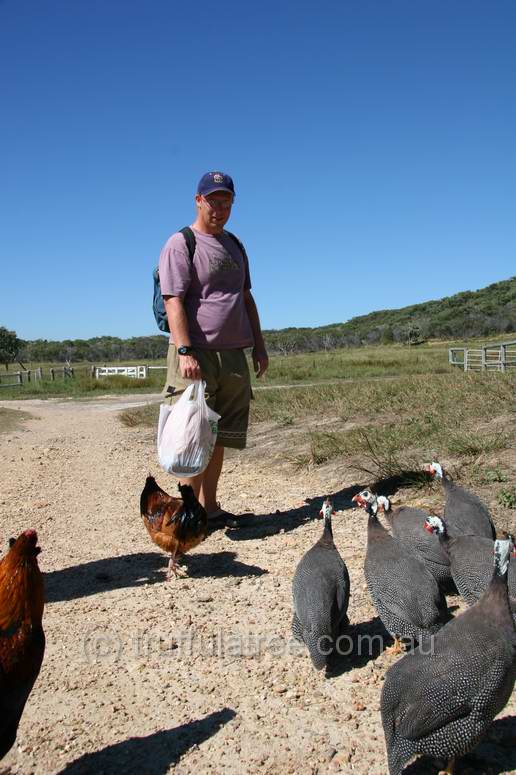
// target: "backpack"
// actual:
[[158, 305]]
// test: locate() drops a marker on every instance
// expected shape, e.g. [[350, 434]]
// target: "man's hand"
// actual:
[[189, 366], [260, 361]]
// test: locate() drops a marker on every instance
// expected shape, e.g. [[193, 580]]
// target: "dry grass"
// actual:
[[384, 426], [143, 416]]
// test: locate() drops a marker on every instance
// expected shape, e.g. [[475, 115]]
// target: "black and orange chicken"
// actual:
[[22, 640], [176, 525]]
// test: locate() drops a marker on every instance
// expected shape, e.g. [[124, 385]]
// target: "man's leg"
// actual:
[[210, 480]]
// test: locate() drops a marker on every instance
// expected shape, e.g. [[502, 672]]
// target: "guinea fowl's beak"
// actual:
[[428, 527]]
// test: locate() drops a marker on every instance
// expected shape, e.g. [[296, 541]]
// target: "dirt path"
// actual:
[[197, 675]]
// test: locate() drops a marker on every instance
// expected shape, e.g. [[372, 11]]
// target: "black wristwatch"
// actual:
[[185, 350]]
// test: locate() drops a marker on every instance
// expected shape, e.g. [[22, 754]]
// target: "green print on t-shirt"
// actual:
[[222, 264]]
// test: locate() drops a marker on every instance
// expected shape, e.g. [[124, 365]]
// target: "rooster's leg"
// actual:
[[449, 768], [396, 647], [173, 567]]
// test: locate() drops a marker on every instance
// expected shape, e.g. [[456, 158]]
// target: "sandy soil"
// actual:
[[196, 675]]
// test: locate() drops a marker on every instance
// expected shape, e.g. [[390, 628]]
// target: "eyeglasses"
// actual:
[[218, 204]]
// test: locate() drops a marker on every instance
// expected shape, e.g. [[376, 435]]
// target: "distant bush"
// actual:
[[489, 311]]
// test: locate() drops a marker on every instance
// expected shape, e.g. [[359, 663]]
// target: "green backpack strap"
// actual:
[[237, 241], [189, 236], [191, 243]]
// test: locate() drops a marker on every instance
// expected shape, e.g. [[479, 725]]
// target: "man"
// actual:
[[212, 317]]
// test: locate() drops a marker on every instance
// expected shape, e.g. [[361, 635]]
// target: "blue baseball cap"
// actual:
[[215, 181]]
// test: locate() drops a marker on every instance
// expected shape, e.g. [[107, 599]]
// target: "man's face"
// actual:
[[215, 209]]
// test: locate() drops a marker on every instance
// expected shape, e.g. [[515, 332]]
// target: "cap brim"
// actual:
[[218, 188]]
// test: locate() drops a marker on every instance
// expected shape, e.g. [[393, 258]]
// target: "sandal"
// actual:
[[222, 518]]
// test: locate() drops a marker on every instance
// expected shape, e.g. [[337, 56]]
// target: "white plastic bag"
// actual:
[[187, 432]]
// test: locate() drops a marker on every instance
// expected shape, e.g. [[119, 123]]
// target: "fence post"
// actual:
[[483, 361], [52, 375], [19, 378], [92, 371], [28, 375], [503, 357]]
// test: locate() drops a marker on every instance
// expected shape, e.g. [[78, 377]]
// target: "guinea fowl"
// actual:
[[176, 525], [464, 512], [320, 590], [440, 703], [471, 562], [407, 525], [405, 594]]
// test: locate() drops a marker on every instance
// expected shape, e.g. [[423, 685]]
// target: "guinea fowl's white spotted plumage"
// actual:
[[407, 525], [471, 562], [320, 590], [464, 512], [440, 702], [405, 594]]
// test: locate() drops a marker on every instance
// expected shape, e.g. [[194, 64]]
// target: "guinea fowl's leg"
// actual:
[[450, 768], [396, 647]]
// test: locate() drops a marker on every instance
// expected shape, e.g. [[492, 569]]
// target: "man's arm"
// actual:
[[178, 324], [259, 355]]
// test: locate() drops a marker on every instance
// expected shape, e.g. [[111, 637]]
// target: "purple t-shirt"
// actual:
[[212, 288]]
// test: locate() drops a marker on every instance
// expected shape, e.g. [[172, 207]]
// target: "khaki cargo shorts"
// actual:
[[228, 390]]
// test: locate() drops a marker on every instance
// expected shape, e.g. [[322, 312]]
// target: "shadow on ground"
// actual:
[[152, 755], [262, 525], [219, 565], [495, 755], [135, 570], [359, 644]]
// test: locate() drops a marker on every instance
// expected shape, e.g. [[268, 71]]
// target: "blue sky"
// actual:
[[373, 147]]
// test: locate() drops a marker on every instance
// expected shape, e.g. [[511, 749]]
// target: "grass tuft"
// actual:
[[140, 416], [507, 497]]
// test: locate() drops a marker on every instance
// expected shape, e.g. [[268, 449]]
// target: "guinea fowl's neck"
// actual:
[[327, 536], [496, 600], [444, 540], [375, 529]]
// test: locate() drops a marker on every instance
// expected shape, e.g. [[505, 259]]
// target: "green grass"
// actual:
[[424, 398], [507, 497], [356, 363], [347, 364], [83, 385], [397, 424]]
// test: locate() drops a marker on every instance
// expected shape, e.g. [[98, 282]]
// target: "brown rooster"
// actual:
[[176, 525], [22, 641]]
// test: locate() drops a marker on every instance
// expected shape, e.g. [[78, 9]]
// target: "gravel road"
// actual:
[[196, 675]]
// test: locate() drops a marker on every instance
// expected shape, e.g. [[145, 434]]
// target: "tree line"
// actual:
[[470, 314]]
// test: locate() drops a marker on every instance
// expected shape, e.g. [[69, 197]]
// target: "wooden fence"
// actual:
[[490, 357], [33, 375], [19, 378]]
